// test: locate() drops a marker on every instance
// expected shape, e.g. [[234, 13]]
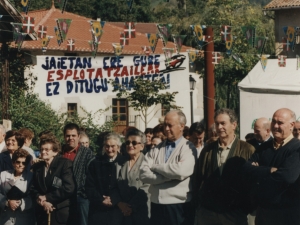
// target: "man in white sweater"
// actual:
[[168, 168]]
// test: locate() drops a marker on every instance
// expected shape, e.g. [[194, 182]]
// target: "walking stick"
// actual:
[[49, 218]]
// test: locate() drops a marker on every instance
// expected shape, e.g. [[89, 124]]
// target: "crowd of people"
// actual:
[[169, 175]]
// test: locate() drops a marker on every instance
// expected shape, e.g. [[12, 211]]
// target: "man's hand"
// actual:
[[254, 164], [125, 208], [14, 204], [107, 201], [48, 207], [273, 169]]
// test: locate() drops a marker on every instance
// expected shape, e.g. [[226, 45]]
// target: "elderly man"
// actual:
[[168, 168], [262, 132], [296, 130], [81, 157], [219, 188], [2, 137], [275, 167]]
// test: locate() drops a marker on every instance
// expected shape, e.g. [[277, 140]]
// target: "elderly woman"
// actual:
[[135, 200], [13, 140], [15, 201], [101, 183], [53, 185]]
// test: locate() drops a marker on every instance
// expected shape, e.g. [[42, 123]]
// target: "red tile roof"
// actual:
[[282, 4], [80, 31]]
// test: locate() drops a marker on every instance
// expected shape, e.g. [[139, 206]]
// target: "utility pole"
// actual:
[[5, 81], [209, 91]]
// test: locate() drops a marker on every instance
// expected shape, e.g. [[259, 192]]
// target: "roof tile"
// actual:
[[282, 4]]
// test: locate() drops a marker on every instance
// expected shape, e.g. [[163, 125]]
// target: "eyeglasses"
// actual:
[[19, 162], [134, 143], [45, 149]]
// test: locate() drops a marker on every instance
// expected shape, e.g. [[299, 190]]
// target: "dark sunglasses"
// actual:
[[18, 162], [134, 143]]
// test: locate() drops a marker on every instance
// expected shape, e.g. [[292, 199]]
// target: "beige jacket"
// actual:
[[170, 181]]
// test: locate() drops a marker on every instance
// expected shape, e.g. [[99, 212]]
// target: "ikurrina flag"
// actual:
[[117, 48], [146, 50], [94, 47], [63, 26], [260, 43], [264, 61], [17, 28], [62, 5], [153, 39], [28, 25], [178, 41], [285, 44], [58, 36], [198, 33], [123, 39], [225, 33], [97, 30], [164, 32], [20, 40], [71, 45], [129, 29], [216, 57], [192, 56], [291, 36], [281, 60], [42, 32], [45, 42], [249, 32], [168, 54], [25, 5]]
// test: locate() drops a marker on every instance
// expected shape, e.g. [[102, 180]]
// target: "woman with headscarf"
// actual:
[[15, 201], [101, 183], [135, 199]]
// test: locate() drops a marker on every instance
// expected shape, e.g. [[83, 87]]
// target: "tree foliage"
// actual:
[[146, 94]]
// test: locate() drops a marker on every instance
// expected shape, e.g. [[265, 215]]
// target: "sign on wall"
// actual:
[[72, 76]]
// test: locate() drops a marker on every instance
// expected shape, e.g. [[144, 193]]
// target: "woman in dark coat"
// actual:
[[101, 184], [53, 185], [135, 199]]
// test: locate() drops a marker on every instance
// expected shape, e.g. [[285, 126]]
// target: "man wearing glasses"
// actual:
[[168, 168]]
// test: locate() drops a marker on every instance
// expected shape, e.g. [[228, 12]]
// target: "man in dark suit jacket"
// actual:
[[262, 132]]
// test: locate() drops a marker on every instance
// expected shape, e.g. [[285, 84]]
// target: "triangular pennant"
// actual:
[[285, 44], [129, 3], [216, 57], [17, 28], [164, 32], [25, 5], [290, 32], [123, 39], [298, 61], [297, 38], [249, 32], [152, 38], [281, 60], [146, 50], [225, 32], [192, 56], [20, 40], [62, 5], [178, 41], [63, 26], [264, 61], [94, 48], [71, 45], [237, 58], [42, 32], [45, 42], [198, 33], [260, 43], [129, 29], [117, 48], [28, 24], [229, 43], [97, 30], [58, 36]]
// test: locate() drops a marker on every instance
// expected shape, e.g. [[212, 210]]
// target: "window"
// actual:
[[72, 108], [120, 111]]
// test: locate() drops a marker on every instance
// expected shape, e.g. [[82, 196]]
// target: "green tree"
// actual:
[[144, 95]]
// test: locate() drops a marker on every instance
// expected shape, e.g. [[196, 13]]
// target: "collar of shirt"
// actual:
[[173, 144], [284, 142], [228, 147]]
